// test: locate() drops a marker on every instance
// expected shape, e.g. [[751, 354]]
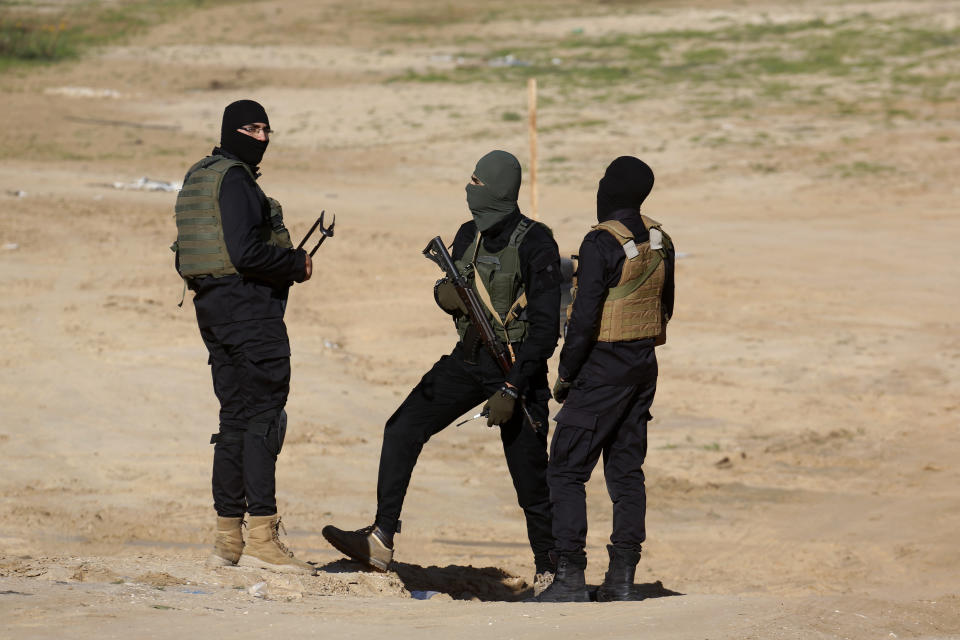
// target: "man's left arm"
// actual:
[[242, 221], [540, 270]]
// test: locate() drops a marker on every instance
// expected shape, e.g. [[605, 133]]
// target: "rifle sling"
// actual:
[[484, 296]]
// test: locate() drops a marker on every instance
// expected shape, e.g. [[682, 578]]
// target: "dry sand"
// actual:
[[801, 468]]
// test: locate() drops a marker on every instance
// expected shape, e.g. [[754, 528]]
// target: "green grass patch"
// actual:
[[712, 55], [431, 16], [901, 53], [430, 76], [762, 167], [775, 89], [31, 36], [862, 168], [577, 124], [932, 87], [896, 112], [32, 39]]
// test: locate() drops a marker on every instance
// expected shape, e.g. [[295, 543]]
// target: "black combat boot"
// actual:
[[568, 585], [371, 545], [618, 583]]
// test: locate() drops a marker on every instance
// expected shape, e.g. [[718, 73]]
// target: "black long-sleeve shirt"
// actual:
[[600, 267], [259, 289], [540, 272]]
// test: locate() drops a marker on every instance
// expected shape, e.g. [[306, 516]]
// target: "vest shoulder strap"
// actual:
[[222, 165], [650, 223], [473, 249], [216, 164], [659, 239], [520, 231], [617, 229], [623, 235]]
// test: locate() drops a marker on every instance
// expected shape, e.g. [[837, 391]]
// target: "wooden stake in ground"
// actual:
[[532, 109]]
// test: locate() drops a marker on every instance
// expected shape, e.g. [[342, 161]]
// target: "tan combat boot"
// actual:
[[228, 545], [266, 551]]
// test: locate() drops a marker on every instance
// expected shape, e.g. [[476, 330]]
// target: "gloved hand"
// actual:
[[501, 405], [561, 389], [447, 297]]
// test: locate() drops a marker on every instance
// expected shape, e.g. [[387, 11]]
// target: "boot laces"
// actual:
[[276, 537], [542, 581]]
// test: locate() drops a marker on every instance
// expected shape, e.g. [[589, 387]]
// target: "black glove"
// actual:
[[561, 389], [447, 297], [500, 405]]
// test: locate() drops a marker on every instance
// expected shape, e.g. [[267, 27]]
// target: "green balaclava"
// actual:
[[495, 199]]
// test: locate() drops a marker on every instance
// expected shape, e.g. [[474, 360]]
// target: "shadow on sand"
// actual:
[[487, 584]]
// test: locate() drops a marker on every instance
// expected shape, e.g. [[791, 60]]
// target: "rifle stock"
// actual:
[[437, 252]]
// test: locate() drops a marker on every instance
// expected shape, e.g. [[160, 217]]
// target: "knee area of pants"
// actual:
[[534, 503], [404, 435], [628, 484], [567, 475]]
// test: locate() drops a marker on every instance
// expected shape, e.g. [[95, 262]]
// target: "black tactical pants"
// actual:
[[596, 419], [449, 389], [250, 363]]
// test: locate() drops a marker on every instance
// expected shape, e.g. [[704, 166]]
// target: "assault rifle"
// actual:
[[437, 252]]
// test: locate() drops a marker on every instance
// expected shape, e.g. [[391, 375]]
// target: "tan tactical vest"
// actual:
[[200, 242], [632, 309]]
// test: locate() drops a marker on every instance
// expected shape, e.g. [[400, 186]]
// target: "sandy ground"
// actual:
[[800, 474]]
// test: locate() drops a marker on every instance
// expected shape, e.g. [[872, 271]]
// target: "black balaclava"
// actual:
[[236, 115], [494, 200], [625, 185]]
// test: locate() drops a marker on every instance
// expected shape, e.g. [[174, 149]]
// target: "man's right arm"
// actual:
[[242, 219]]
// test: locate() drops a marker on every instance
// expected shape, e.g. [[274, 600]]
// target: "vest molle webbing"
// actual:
[[502, 277], [632, 309], [200, 243]]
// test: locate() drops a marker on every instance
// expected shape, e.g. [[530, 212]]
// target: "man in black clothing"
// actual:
[[234, 253], [607, 379], [506, 255]]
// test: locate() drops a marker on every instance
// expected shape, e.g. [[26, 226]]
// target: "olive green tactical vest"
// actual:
[[632, 309], [200, 243], [501, 275]]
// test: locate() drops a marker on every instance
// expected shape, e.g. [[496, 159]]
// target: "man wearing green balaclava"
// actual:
[[493, 189], [513, 265]]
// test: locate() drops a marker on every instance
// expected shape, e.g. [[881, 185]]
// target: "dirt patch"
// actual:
[[800, 461]]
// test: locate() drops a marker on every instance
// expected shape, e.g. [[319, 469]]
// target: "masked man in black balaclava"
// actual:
[[622, 300], [234, 253], [513, 256]]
